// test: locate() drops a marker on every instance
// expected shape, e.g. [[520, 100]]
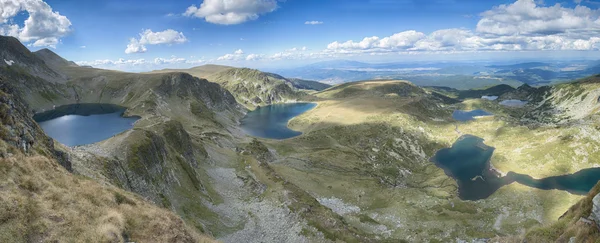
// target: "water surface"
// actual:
[[469, 115], [67, 125], [468, 162], [513, 103], [489, 97], [271, 121]]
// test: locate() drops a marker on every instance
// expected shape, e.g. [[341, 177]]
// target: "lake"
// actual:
[[469, 115], [489, 97], [271, 121], [513, 103], [468, 162], [81, 124], [580, 182]]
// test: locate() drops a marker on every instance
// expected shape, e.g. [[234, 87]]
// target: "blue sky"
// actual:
[[271, 33]]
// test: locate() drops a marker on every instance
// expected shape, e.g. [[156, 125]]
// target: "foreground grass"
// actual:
[[42, 202]]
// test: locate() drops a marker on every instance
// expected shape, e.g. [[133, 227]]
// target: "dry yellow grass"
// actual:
[[42, 202]]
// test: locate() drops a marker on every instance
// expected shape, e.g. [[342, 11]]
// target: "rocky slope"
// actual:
[[254, 88], [53, 60], [15, 56], [360, 172], [42, 201]]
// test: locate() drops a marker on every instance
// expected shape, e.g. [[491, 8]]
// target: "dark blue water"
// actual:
[[580, 182], [271, 121], [468, 162], [468, 115], [73, 130]]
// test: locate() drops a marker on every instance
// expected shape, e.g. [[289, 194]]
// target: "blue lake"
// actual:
[[82, 124], [271, 121], [468, 162], [468, 115]]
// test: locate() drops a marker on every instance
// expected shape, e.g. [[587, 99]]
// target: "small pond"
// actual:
[[81, 124], [271, 121]]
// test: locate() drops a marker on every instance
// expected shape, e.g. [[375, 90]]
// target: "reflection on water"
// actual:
[[468, 162], [73, 130], [271, 121]]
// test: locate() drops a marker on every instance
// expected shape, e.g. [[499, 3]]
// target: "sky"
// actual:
[[143, 35]]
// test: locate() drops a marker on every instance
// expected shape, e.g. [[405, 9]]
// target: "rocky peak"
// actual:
[[53, 60], [15, 56]]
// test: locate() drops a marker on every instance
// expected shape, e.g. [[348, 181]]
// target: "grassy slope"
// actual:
[[203, 71], [255, 88], [365, 140], [41, 201]]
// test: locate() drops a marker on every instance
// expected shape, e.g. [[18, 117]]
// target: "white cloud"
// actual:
[[43, 25], [147, 37], [50, 42], [521, 26], [254, 57], [83, 47], [169, 61], [228, 12], [135, 46], [143, 64], [237, 55], [313, 22], [525, 17]]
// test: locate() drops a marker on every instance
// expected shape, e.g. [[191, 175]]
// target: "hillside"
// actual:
[[307, 84], [360, 172], [17, 58], [200, 72], [254, 88], [53, 60], [37, 187]]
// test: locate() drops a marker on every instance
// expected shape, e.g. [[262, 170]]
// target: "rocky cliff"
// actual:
[[42, 201]]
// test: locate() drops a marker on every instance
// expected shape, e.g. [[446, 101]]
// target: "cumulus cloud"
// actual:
[[239, 55], [44, 26], [135, 46], [254, 57], [228, 12], [313, 22], [147, 37], [524, 25], [525, 17], [142, 64]]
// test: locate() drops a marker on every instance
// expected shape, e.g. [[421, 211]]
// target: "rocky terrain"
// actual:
[[43, 201], [359, 173]]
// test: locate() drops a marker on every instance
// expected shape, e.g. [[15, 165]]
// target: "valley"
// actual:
[[351, 162]]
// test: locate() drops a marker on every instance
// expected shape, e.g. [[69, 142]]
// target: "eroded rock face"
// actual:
[[596, 209], [18, 130]]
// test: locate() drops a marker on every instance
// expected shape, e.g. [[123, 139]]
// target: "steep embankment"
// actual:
[[40, 200], [578, 224], [569, 102]]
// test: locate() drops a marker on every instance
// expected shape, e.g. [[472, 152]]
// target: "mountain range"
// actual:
[[360, 172]]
